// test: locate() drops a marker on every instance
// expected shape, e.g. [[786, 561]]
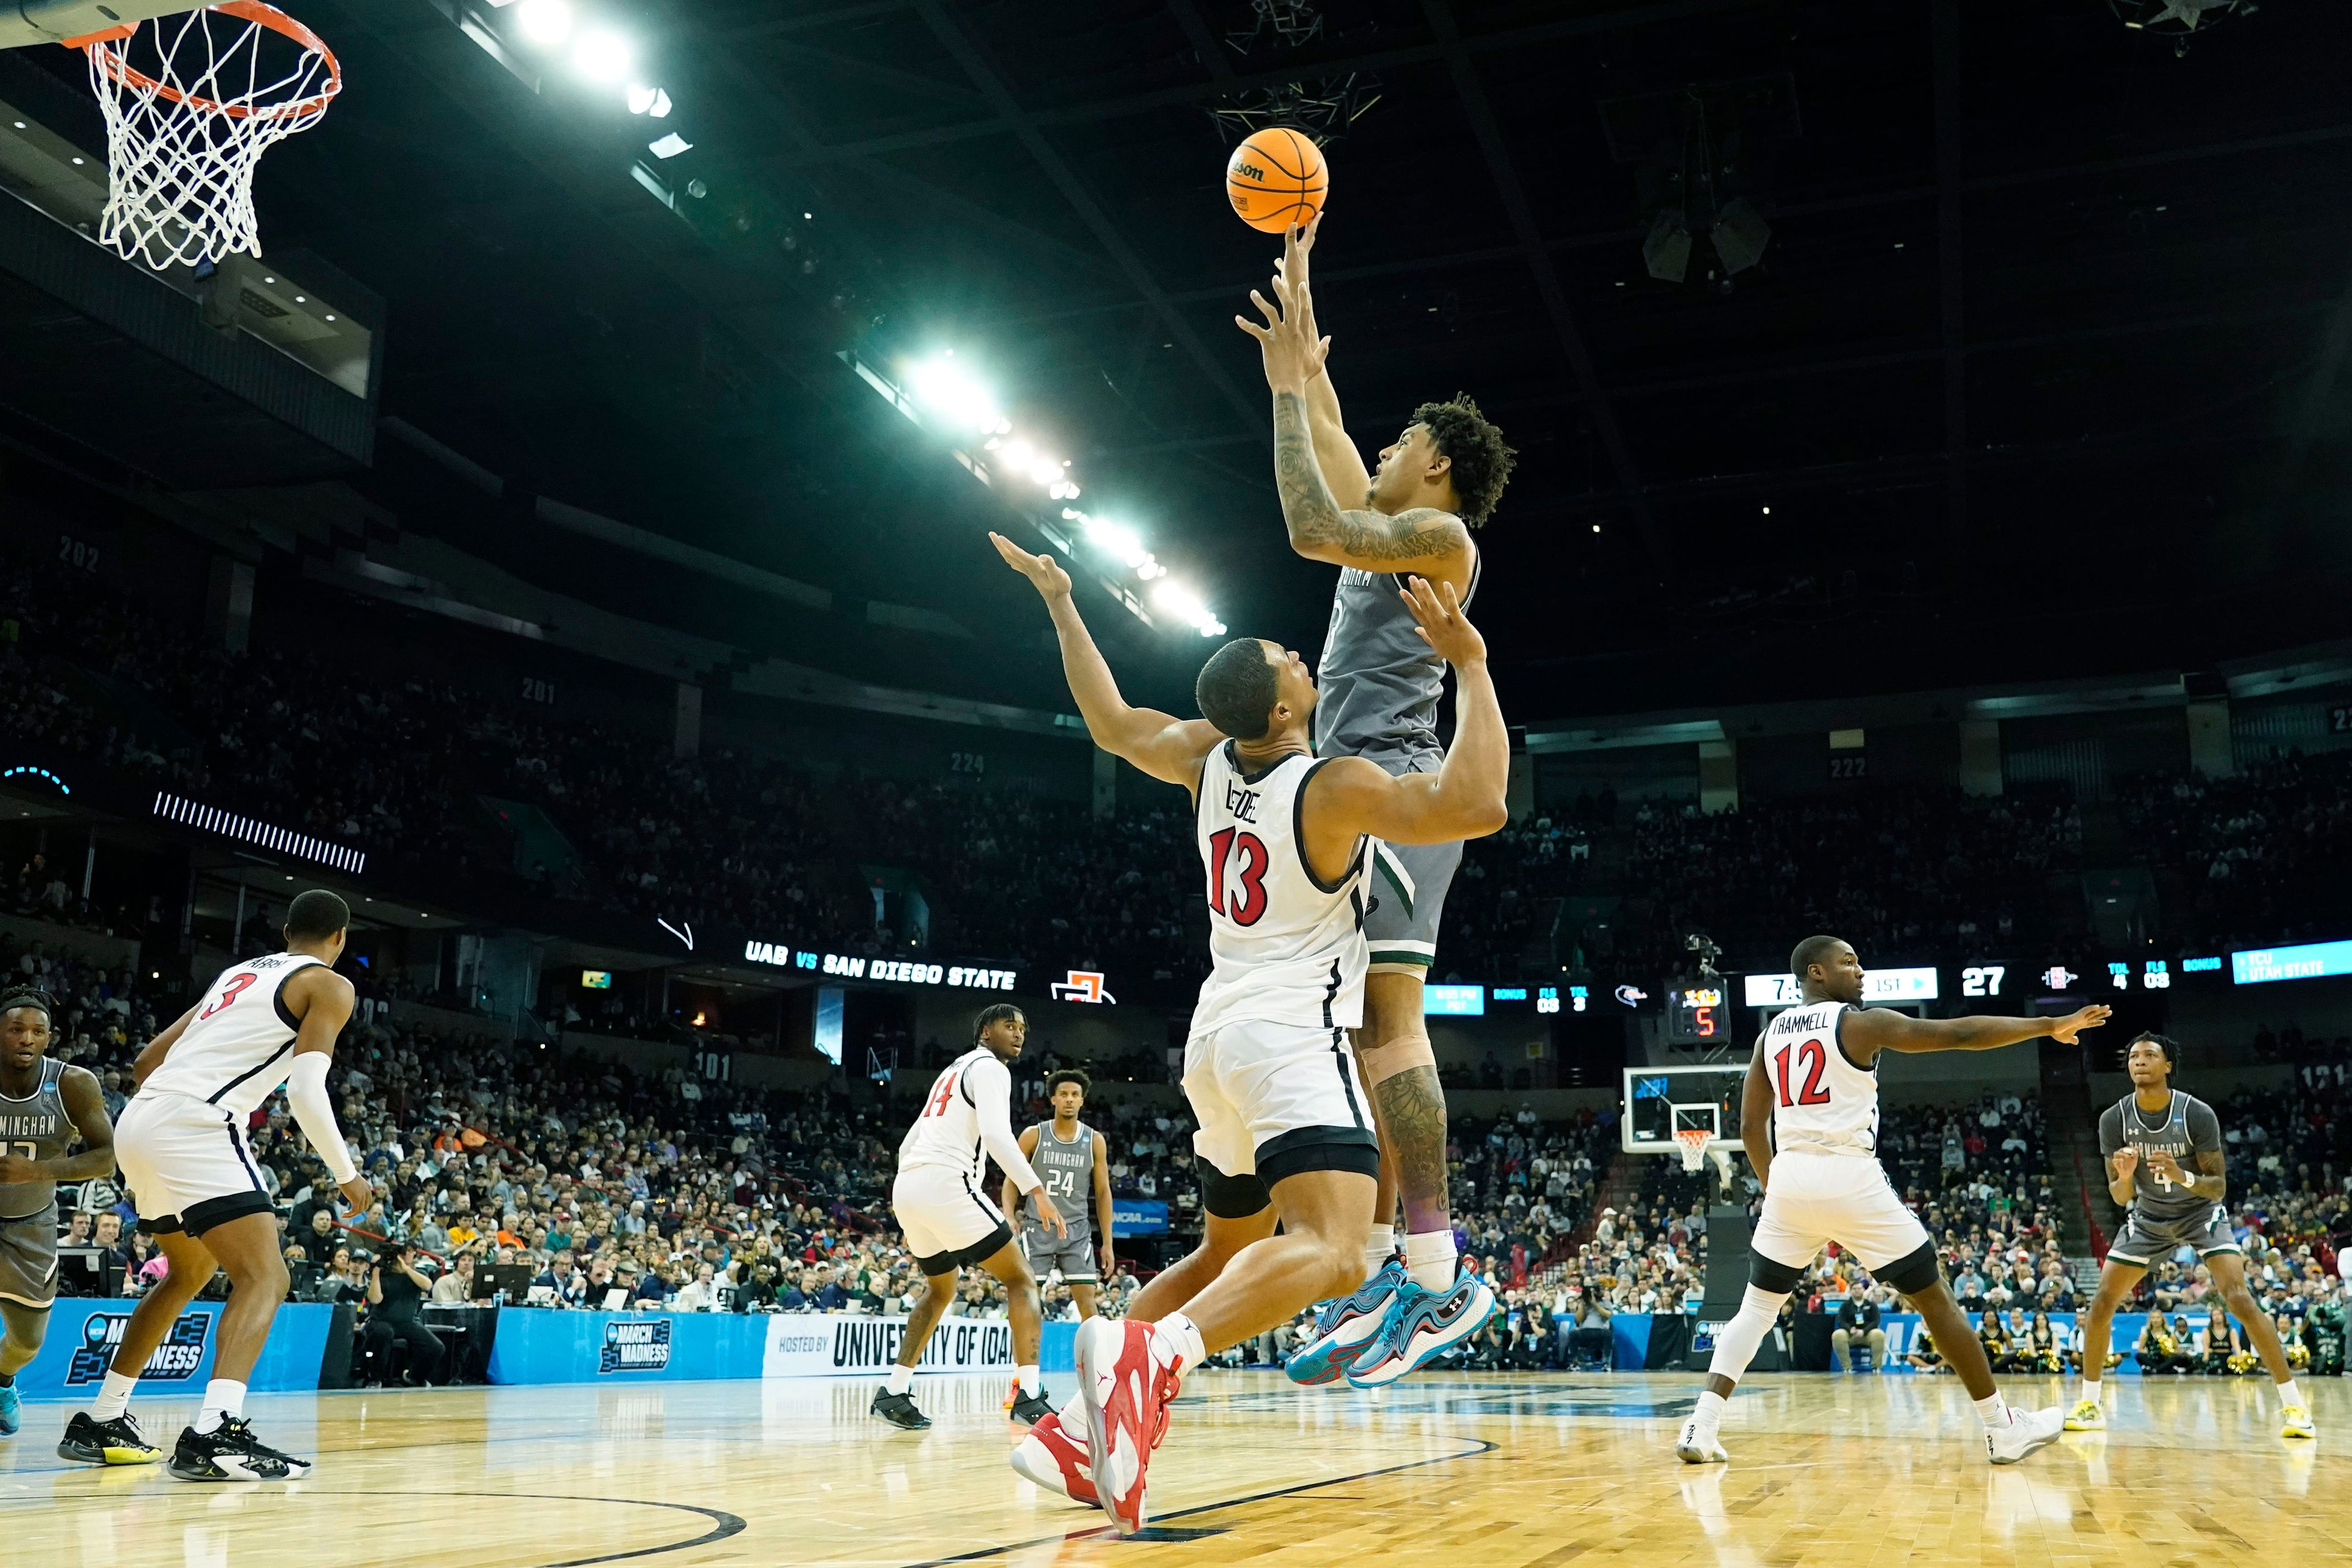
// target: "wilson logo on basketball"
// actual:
[[1250, 170]]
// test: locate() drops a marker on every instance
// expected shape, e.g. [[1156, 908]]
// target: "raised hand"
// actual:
[[1294, 354], [2066, 1029], [1437, 615], [1044, 573]]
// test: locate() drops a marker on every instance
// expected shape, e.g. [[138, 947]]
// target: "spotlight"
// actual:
[[669, 146], [650, 100], [1046, 472], [545, 21], [952, 396], [1017, 454], [602, 56]]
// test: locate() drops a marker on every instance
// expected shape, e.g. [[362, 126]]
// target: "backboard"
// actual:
[[1659, 1101], [29, 22]]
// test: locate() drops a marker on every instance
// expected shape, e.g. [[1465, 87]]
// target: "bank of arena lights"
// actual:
[[249, 830], [595, 51]]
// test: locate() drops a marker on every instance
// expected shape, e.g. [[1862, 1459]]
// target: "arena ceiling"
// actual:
[[2039, 371]]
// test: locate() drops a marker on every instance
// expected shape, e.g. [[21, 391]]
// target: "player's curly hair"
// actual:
[[1068, 1075], [995, 1012], [1482, 458], [2170, 1047], [18, 996]]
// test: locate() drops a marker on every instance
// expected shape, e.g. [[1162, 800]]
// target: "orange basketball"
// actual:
[[1276, 180]]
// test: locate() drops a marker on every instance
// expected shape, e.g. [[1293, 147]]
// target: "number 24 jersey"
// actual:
[[1286, 947]]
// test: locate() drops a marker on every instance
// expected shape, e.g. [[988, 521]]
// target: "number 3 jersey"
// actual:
[[238, 1048], [1821, 1102], [1286, 947]]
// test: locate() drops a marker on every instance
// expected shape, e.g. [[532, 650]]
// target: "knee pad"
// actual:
[[1401, 1054]]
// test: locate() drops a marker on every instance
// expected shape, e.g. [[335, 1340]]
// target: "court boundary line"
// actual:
[[1481, 1446]]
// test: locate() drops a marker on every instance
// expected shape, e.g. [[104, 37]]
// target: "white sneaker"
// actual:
[[2027, 1430], [1700, 1446]]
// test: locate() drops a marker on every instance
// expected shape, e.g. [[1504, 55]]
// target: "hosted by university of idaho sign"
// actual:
[[818, 1346]]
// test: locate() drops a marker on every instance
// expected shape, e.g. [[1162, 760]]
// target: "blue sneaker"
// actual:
[[1343, 1323], [1421, 1326], [12, 1411]]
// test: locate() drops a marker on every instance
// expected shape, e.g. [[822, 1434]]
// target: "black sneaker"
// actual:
[[230, 1452], [898, 1409], [1028, 1409], [89, 1441]]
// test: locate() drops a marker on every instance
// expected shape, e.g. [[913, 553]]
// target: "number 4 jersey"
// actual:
[[1285, 946], [237, 1050], [1821, 1102]]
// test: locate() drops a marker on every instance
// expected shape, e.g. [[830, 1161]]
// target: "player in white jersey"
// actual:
[[1286, 1131], [180, 1144], [1809, 1116], [966, 1117]]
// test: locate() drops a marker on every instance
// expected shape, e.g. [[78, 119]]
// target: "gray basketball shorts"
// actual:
[[1407, 890], [1073, 1255], [28, 1258], [2150, 1241]]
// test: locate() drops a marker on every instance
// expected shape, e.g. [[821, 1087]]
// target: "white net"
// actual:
[[192, 102], [1693, 1141]]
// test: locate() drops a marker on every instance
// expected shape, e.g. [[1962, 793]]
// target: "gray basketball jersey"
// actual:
[[1069, 1172], [1378, 681], [2186, 1127], [35, 1128]]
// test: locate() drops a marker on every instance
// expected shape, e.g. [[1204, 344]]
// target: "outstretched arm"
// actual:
[[1341, 462], [1465, 798], [1421, 539], [1160, 744], [1870, 1030]]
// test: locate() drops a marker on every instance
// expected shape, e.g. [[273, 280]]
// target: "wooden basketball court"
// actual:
[[1503, 1471]]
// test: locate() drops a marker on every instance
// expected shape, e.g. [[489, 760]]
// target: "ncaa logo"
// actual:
[[641, 1345], [176, 1360]]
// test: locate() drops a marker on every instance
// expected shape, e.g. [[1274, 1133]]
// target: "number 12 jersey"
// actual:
[[1821, 1102], [1286, 947]]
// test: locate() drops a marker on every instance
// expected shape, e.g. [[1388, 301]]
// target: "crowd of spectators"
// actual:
[[2262, 857]]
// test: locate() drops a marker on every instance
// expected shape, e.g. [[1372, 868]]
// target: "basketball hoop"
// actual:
[[192, 102], [1693, 1141]]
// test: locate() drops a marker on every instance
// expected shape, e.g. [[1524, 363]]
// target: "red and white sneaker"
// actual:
[[1127, 1375], [1056, 1460]]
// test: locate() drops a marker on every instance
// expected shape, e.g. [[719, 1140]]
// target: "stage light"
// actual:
[[952, 394], [669, 146], [545, 21], [602, 56], [1045, 471], [1017, 454], [649, 100]]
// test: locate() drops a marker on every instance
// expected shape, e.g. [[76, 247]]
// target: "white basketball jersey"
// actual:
[[237, 1050], [1821, 1102], [947, 1132], [1287, 947]]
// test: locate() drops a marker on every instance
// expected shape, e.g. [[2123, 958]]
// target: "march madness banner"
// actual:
[[822, 1346]]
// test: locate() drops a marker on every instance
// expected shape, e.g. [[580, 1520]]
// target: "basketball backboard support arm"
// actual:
[[23, 22]]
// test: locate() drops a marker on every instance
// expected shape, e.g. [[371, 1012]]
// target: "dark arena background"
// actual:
[[565, 539]]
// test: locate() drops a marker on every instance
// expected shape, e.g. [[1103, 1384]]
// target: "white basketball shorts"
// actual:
[[186, 1164], [947, 1223], [1275, 1099], [1815, 1199]]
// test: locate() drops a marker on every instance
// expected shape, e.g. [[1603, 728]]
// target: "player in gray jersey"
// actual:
[[1380, 684], [2151, 1137], [45, 1108], [1074, 1162]]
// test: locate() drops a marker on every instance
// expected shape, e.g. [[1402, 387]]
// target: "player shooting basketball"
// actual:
[[1380, 683]]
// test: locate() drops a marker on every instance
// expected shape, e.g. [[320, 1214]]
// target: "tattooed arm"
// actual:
[[1420, 540]]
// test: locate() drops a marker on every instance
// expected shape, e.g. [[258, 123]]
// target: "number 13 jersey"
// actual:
[[238, 1048], [1286, 947], [1821, 1102]]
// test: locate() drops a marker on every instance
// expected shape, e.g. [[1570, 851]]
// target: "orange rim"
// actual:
[[254, 11]]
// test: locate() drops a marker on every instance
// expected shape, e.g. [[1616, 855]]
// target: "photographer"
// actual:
[[396, 1294]]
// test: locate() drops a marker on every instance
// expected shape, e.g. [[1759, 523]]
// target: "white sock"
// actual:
[[1380, 1246], [901, 1380], [2289, 1393], [1430, 1257], [1994, 1409], [114, 1396], [1028, 1376], [1184, 1338], [1709, 1414], [223, 1401], [2090, 1389]]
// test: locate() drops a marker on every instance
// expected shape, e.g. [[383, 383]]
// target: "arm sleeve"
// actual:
[[306, 1092], [991, 1096], [2111, 1132]]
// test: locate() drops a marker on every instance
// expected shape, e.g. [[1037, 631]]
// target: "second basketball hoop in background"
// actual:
[[190, 103]]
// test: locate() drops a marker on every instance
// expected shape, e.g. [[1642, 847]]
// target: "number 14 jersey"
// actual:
[[1821, 1102], [1286, 947]]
